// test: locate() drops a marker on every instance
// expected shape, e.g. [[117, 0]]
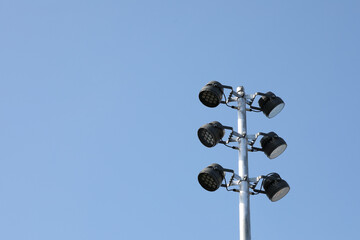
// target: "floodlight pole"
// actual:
[[244, 201]]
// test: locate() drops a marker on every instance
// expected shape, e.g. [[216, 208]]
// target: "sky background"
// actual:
[[99, 114]]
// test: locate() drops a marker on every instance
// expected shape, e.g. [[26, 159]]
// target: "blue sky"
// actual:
[[99, 112]]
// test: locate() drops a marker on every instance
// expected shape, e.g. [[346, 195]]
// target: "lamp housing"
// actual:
[[211, 177], [211, 94], [211, 133], [273, 145], [275, 187], [270, 104]]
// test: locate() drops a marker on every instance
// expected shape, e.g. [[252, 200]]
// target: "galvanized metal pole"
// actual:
[[244, 202]]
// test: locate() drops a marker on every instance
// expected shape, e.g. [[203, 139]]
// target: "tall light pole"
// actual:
[[212, 177], [244, 201]]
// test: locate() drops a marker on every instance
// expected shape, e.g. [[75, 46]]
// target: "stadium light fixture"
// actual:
[[211, 177], [212, 93], [273, 145], [271, 105], [275, 187], [210, 134]]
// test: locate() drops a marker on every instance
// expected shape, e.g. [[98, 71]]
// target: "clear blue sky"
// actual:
[[99, 112]]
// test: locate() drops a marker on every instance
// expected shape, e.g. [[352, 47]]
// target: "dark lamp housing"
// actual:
[[275, 187], [211, 94], [271, 105], [211, 177], [273, 145], [211, 133]]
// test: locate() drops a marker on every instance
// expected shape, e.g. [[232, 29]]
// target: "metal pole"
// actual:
[[244, 201]]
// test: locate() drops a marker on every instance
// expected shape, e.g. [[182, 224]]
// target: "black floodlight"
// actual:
[[273, 145], [275, 187], [211, 177], [211, 133], [211, 94], [270, 104]]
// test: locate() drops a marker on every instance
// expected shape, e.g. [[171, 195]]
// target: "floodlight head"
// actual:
[[211, 177], [273, 145], [211, 94], [211, 133], [275, 187], [271, 105]]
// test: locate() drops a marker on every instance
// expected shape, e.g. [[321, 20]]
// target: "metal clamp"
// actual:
[[250, 100], [252, 141]]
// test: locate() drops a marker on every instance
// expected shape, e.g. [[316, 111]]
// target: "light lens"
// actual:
[[209, 98], [206, 137], [276, 110], [277, 151], [280, 194]]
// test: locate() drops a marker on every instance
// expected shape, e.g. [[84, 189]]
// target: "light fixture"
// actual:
[[211, 133], [211, 94], [275, 187], [272, 145], [270, 104], [211, 177]]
